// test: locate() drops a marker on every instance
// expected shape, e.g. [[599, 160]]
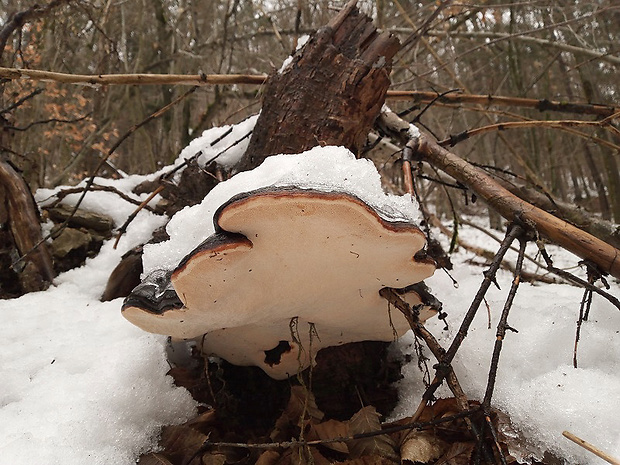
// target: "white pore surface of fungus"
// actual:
[[328, 169]]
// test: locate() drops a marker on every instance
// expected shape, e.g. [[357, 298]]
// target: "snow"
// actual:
[[329, 169], [82, 385], [288, 60], [536, 382], [225, 152]]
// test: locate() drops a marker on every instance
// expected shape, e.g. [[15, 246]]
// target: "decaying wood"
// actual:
[[19, 218], [511, 207], [331, 92], [125, 276]]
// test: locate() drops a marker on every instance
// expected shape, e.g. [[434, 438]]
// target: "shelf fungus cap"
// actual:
[[288, 272]]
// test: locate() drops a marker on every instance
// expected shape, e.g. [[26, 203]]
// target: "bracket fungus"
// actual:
[[287, 272]]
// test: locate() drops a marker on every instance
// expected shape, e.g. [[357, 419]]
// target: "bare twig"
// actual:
[[131, 217], [489, 278], [522, 34], [502, 327], [389, 430], [132, 79], [591, 52], [586, 445], [47, 121], [572, 278], [96, 187], [537, 104], [17, 20], [22, 100], [259, 79], [558, 124], [411, 314]]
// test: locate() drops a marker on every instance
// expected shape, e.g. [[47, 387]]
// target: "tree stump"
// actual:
[[329, 94]]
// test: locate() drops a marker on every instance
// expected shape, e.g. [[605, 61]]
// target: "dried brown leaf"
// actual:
[[367, 421], [204, 420], [153, 459], [331, 429], [514, 446], [459, 453], [285, 458], [212, 459], [180, 443], [269, 457], [439, 409], [301, 403], [421, 447]]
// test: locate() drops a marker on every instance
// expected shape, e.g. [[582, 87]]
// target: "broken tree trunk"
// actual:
[[330, 94], [20, 233], [511, 207]]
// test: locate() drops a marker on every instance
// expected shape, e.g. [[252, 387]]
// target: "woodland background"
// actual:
[[565, 51]]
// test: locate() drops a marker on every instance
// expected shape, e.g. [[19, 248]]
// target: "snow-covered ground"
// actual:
[[536, 382], [82, 385]]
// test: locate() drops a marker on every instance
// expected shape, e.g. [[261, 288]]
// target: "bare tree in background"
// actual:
[[564, 52]]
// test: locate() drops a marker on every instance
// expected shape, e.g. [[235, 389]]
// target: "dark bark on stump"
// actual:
[[330, 94]]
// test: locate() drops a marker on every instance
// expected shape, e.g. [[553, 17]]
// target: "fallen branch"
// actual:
[[573, 239], [259, 79], [420, 331], [558, 124], [502, 327], [18, 212], [604, 230], [132, 79]]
